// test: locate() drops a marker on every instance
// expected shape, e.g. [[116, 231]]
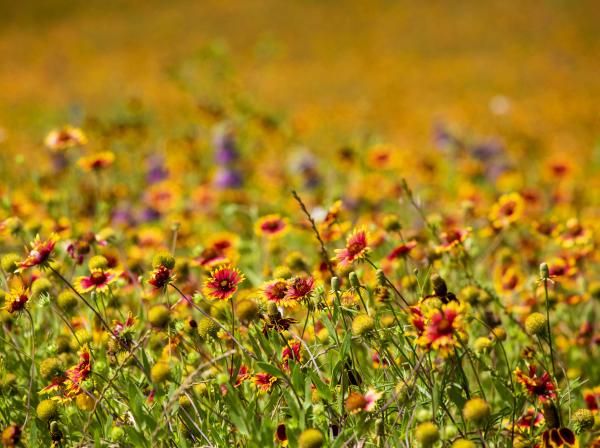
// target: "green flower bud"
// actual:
[[354, 282], [583, 419], [67, 301], [335, 283], [544, 271]]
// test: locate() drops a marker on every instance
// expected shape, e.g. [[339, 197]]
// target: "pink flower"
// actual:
[[356, 249]]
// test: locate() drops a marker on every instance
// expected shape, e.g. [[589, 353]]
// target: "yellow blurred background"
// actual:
[[335, 68]]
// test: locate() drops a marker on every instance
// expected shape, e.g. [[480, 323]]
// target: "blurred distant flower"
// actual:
[[224, 144], [65, 138], [96, 162], [271, 226], [357, 402], [507, 210], [228, 178], [401, 250], [156, 170]]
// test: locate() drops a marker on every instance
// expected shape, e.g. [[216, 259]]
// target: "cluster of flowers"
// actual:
[[194, 311]]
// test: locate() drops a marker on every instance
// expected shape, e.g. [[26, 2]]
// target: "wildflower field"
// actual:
[[305, 224]]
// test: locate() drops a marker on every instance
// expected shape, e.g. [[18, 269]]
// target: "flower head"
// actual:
[[357, 402], [96, 162], [161, 276], [442, 328], [264, 381], [16, 300], [356, 249], [40, 252], [99, 280], [299, 288], [271, 226], [65, 138], [223, 282], [540, 387], [507, 210]]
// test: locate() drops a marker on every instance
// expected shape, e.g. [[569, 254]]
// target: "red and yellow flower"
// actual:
[[223, 282]]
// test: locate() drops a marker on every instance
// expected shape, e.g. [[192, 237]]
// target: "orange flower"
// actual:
[[507, 210], [264, 381], [96, 162], [271, 226], [442, 328], [65, 138]]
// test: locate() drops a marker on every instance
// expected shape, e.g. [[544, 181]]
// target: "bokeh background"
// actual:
[[525, 72]]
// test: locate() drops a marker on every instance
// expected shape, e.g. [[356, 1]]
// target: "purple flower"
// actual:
[[225, 148], [228, 178], [156, 169]]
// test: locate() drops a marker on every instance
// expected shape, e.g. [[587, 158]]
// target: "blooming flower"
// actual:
[[357, 402], [401, 250], [98, 280], [276, 291], [291, 351], [40, 252], [559, 438], [223, 282], [356, 249], [540, 387], [16, 300], [443, 328], [299, 288], [264, 381], [507, 210], [65, 138], [96, 162], [271, 226], [161, 276], [452, 238]]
